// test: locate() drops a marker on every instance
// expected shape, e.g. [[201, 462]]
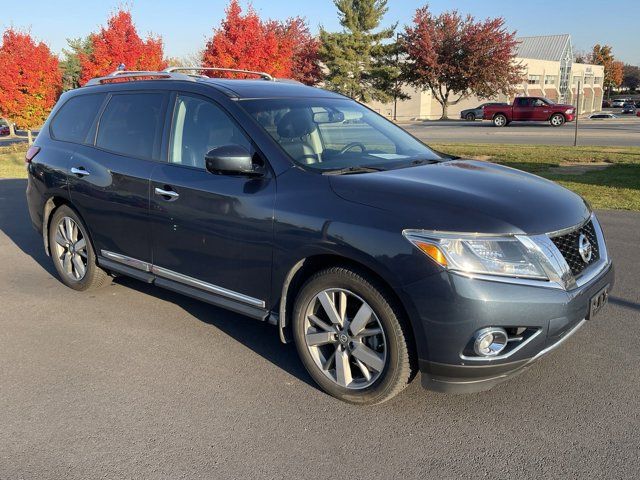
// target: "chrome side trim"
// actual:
[[194, 282], [184, 279], [131, 262], [506, 355]]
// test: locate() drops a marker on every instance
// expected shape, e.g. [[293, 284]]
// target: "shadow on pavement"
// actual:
[[621, 302], [260, 337], [16, 224]]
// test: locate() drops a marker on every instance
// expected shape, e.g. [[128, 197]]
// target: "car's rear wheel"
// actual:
[[556, 120], [500, 120], [471, 116], [351, 339], [72, 252]]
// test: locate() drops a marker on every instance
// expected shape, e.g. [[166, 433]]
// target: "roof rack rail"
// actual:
[[263, 75], [132, 74]]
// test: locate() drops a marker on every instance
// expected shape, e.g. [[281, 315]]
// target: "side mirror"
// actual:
[[231, 160]]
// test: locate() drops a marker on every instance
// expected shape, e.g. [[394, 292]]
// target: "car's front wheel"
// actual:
[[351, 338], [556, 120], [72, 252], [471, 116]]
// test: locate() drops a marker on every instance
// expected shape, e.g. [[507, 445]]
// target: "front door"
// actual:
[[211, 232], [523, 109]]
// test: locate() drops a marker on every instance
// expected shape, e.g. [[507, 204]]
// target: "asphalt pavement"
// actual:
[[132, 381], [622, 132]]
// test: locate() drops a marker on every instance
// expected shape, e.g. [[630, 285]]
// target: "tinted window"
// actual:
[[74, 120], [334, 133], [522, 102], [198, 127], [132, 124]]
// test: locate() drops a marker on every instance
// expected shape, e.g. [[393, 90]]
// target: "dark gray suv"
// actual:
[[376, 255]]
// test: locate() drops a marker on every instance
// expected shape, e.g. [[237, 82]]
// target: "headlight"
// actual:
[[511, 256], [569, 111]]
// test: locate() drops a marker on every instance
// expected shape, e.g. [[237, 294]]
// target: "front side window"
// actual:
[[132, 124], [333, 134], [199, 126], [75, 118]]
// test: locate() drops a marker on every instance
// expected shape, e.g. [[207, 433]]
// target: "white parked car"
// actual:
[[618, 103], [602, 115]]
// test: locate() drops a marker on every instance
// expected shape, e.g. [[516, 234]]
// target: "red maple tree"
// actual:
[[282, 49], [456, 56], [30, 80], [119, 43], [304, 49]]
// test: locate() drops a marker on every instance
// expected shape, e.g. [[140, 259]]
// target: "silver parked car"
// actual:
[[472, 114]]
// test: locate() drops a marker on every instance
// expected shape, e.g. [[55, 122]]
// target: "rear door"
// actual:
[[523, 109], [211, 232], [109, 179]]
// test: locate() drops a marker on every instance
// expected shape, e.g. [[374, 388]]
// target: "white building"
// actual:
[[549, 71]]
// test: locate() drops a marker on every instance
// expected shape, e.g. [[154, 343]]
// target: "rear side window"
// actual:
[[132, 124], [75, 118]]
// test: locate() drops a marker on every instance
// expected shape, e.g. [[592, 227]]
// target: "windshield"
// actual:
[[337, 134]]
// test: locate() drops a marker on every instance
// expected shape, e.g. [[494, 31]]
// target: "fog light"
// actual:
[[489, 342]]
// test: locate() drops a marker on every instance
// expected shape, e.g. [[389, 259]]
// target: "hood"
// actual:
[[466, 195]]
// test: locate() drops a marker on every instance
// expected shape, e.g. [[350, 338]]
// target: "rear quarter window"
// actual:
[[75, 118]]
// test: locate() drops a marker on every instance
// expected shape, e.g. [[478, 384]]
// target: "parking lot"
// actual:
[[624, 132], [132, 381]]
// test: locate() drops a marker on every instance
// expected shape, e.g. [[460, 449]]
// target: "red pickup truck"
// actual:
[[530, 109]]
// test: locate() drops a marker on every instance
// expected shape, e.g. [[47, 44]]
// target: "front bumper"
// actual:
[[458, 306]]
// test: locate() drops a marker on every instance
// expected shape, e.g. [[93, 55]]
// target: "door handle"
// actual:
[[166, 193], [79, 171]]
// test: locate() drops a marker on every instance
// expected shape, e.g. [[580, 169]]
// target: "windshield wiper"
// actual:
[[351, 170], [424, 161]]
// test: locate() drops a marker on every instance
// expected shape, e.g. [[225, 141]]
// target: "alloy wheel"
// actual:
[[70, 248], [345, 338]]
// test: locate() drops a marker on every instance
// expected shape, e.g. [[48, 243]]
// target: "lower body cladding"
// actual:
[[453, 310]]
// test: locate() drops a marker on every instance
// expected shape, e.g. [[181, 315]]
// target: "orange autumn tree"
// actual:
[[282, 49], [119, 43], [30, 80]]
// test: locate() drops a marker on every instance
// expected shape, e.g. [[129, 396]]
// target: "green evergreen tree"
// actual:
[[71, 69], [359, 63]]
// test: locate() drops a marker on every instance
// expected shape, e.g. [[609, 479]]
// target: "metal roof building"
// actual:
[[546, 47], [549, 71]]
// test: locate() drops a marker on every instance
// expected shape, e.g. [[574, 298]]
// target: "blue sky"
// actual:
[[185, 24]]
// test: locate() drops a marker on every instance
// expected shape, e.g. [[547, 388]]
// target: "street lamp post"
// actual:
[[397, 85]]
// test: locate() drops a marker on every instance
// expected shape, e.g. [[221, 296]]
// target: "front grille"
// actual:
[[568, 246]]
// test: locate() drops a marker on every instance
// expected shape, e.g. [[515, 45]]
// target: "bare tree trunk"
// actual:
[[29, 137], [445, 106]]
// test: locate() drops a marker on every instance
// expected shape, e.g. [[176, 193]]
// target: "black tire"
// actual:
[[470, 117], [500, 120], [398, 366], [93, 277], [557, 120]]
